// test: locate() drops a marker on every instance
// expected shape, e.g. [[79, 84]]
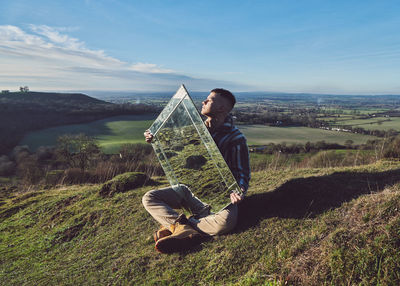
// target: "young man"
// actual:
[[178, 232]]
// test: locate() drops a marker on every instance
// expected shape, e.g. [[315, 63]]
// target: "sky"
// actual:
[[311, 46]]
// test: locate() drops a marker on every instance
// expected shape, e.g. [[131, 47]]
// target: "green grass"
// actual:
[[260, 134], [376, 123], [337, 226], [111, 133], [359, 110]]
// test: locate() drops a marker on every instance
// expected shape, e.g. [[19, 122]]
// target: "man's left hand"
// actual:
[[236, 198]]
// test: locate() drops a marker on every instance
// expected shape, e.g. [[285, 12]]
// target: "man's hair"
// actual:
[[226, 94]]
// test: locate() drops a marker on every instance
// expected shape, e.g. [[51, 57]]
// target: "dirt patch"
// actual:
[[63, 204], [25, 196], [195, 162], [12, 211], [8, 192], [69, 233], [68, 201], [93, 218]]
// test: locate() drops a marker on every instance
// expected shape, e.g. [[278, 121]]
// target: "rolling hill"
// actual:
[[21, 112]]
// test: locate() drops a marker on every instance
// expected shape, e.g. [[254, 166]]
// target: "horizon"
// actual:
[[341, 48], [112, 93]]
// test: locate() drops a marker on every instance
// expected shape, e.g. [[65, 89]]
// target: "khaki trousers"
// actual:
[[161, 205]]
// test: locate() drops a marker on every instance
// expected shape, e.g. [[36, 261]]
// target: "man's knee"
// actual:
[[147, 198], [227, 227]]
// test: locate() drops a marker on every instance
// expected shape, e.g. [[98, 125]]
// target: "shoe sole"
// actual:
[[174, 244]]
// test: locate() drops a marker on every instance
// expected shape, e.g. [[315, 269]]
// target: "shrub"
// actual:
[[20, 152], [135, 152], [7, 167], [77, 176], [393, 149], [123, 183], [44, 153], [329, 159], [54, 177], [29, 170]]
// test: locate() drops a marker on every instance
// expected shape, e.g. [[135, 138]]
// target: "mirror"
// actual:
[[189, 155]]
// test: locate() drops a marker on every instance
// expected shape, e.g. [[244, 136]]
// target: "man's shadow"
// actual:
[[308, 197]]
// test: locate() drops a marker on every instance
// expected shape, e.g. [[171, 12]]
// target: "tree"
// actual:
[[24, 88], [77, 150], [348, 143]]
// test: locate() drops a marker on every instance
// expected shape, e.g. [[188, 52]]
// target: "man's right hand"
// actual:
[[148, 136]]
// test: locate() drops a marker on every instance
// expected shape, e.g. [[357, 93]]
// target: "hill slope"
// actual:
[[305, 226], [48, 100], [21, 112]]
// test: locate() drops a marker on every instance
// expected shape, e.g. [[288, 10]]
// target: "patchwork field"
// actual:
[[260, 134], [376, 123], [112, 132]]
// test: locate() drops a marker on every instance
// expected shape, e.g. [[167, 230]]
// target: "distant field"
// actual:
[[359, 110], [379, 123], [110, 133], [260, 134]]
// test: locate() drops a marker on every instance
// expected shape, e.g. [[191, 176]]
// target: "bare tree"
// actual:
[[77, 150]]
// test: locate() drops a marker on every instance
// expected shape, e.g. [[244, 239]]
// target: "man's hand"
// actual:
[[148, 136], [236, 198]]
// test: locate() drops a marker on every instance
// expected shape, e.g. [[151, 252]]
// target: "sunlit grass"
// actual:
[[260, 134], [331, 226]]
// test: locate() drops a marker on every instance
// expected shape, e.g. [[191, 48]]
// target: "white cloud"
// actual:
[[55, 60], [149, 68], [54, 36], [45, 58]]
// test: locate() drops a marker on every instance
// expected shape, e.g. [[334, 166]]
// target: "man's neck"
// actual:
[[214, 122]]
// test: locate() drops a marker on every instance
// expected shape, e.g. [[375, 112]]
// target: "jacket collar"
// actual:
[[226, 127]]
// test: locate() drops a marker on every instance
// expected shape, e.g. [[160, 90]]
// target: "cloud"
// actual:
[[149, 68], [46, 58], [55, 37]]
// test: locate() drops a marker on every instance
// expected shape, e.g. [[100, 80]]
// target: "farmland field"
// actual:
[[376, 123], [260, 134], [110, 133]]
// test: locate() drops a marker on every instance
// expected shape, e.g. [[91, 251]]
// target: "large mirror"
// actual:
[[189, 155]]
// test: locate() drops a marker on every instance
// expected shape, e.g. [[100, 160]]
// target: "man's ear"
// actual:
[[222, 108]]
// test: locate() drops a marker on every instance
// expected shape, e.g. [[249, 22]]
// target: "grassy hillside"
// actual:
[[304, 226], [110, 133], [49, 100]]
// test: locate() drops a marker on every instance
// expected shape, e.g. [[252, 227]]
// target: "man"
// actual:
[[178, 232]]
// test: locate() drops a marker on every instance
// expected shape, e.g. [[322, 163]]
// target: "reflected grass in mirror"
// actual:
[[189, 155]]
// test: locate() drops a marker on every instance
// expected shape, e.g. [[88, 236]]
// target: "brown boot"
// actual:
[[162, 232], [183, 237]]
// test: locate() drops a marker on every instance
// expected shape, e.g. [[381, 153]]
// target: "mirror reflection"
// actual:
[[189, 155]]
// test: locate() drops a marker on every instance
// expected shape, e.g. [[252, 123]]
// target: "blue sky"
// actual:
[[344, 47]]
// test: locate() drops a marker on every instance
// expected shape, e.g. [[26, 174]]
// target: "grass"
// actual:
[[260, 134], [111, 133], [332, 226], [358, 110], [376, 123]]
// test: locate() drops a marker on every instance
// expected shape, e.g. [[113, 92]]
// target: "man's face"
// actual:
[[213, 105]]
